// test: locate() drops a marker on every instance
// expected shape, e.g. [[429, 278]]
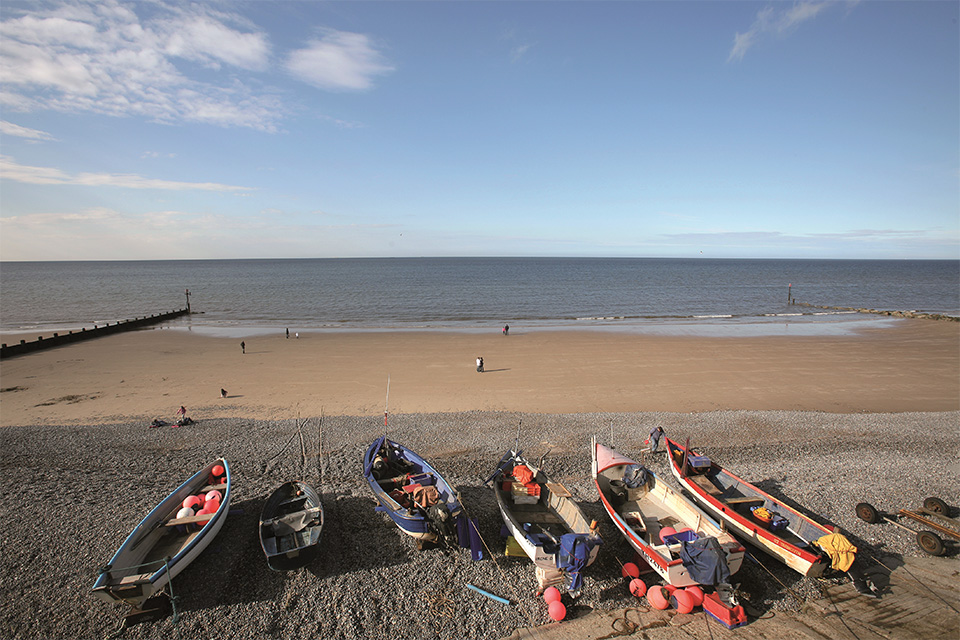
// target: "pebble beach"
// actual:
[[73, 492]]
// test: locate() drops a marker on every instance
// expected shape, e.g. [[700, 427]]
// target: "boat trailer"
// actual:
[[933, 515]]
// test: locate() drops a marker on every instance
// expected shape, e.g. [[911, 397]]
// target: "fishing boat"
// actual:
[[290, 526], [669, 532], [412, 493], [545, 521], [750, 513], [169, 538]]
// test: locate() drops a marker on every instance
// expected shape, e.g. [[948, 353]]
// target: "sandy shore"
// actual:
[[913, 365]]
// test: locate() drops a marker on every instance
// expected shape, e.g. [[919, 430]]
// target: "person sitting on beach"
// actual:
[[479, 364], [223, 393], [182, 418]]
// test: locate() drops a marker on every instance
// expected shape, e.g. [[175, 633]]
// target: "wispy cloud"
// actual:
[[10, 129], [774, 21], [169, 63], [11, 170], [338, 60]]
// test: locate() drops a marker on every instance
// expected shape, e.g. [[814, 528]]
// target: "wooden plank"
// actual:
[[558, 489], [704, 483], [744, 500], [135, 578], [188, 520]]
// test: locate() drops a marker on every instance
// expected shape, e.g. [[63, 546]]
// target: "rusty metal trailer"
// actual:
[[933, 515]]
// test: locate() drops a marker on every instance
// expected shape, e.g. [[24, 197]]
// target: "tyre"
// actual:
[[868, 513], [936, 505], [930, 543]]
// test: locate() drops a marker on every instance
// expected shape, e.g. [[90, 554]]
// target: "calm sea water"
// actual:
[[239, 297]]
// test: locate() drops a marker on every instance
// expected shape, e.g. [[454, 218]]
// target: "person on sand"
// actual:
[[181, 417], [479, 364], [288, 334], [506, 329], [655, 438], [243, 347], [223, 393]]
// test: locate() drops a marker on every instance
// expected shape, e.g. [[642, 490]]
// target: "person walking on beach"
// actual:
[[243, 347], [223, 393], [288, 333], [506, 329], [479, 364], [655, 438]]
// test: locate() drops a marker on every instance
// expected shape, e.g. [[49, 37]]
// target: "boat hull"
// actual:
[[414, 521], [653, 506], [140, 568], [291, 524], [538, 525], [713, 489]]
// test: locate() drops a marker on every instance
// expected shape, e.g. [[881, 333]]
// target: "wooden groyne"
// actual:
[[893, 314], [60, 339]]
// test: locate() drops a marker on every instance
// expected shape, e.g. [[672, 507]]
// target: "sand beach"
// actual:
[[827, 421]]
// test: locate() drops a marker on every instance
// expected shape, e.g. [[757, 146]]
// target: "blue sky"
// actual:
[[156, 130]]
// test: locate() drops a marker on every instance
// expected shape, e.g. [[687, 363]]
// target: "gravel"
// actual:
[[72, 494]]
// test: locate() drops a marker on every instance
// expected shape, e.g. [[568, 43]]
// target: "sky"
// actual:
[[301, 129]]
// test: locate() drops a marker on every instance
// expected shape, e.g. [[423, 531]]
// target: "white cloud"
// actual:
[[102, 57], [771, 21], [10, 129], [339, 60], [11, 170]]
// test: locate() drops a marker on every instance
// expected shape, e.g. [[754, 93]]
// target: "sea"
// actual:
[[725, 297]]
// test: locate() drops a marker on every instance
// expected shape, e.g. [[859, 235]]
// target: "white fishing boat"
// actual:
[[546, 522], [659, 521], [166, 541]]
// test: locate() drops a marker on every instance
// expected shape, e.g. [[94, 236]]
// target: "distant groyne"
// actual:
[[894, 314], [60, 339]]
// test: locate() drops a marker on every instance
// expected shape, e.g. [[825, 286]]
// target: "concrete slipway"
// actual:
[[920, 601]]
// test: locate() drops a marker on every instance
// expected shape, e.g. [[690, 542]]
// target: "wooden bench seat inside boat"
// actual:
[[135, 578], [744, 501], [188, 520], [704, 483], [213, 487], [558, 489]]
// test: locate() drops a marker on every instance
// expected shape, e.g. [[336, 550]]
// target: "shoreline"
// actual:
[[910, 365]]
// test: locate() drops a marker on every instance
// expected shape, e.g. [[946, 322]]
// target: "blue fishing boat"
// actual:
[[412, 493]]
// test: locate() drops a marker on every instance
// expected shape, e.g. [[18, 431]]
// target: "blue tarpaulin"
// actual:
[[705, 561]]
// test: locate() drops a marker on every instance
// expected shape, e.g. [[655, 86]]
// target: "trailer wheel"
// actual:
[[868, 513], [936, 505], [930, 543]]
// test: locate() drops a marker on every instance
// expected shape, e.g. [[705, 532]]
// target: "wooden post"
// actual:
[[188, 300], [789, 294]]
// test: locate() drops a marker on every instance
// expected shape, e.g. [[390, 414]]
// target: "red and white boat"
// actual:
[[655, 518], [750, 513]]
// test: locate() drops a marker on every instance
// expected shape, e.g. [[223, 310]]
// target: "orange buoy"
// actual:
[[696, 593], [557, 610], [630, 570], [682, 600], [657, 597], [638, 587], [552, 594]]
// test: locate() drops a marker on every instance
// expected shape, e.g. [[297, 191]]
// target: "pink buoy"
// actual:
[[217, 470], [638, 587], [696, 593], [670, 589], [630, 570], [657, 597], [213, 495], [666, 531], [212, 506], [552, 594], [682, 601], [557, 610], [191, 502]]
